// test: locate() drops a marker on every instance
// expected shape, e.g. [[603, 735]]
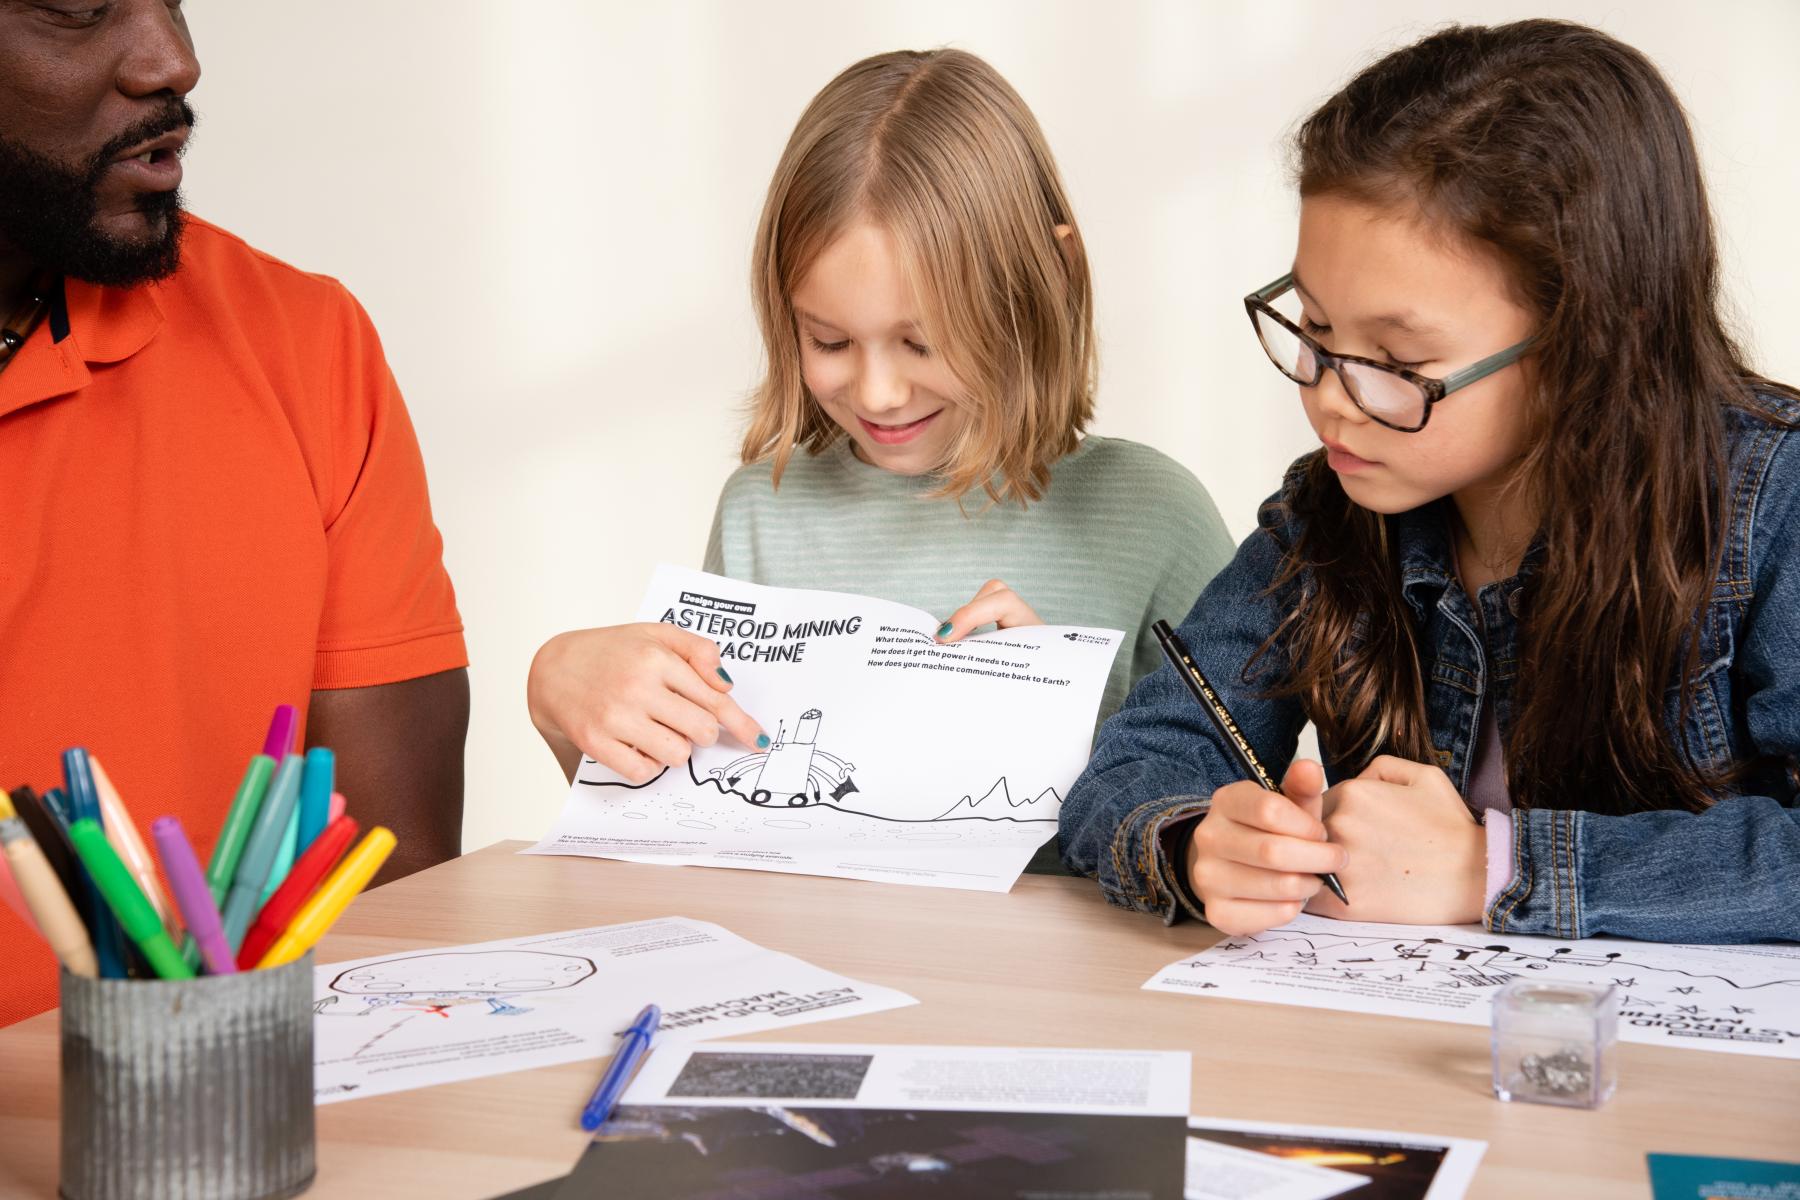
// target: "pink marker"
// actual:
[[280, 742], [337, 807], [9, 892]]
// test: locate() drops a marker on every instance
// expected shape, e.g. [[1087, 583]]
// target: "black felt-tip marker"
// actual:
[[1208, 699]]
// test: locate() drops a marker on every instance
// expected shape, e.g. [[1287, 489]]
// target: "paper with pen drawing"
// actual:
[[894, 758], [439, 1015], [1737, 999]]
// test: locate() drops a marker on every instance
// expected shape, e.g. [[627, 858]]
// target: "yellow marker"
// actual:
[[333, 897]]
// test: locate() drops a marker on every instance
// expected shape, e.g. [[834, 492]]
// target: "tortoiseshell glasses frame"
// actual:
[[1393, 396]]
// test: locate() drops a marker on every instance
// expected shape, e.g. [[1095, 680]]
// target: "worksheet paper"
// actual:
[[893, 757], [789, 1121], [424, 1017], [1737, 999], [1262, 1160]]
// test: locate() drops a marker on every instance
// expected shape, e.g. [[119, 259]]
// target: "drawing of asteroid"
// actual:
[[465, 973]]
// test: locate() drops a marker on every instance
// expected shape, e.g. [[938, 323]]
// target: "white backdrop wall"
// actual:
[[547, 208]]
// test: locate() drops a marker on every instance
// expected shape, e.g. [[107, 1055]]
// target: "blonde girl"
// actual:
[[920, 434]]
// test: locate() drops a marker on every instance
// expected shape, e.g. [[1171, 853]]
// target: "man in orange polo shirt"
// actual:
[[213, 498]]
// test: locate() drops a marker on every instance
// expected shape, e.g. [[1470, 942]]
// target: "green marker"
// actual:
[[126, 899], [222, 868]]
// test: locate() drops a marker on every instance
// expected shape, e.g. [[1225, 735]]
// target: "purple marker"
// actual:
[[280, 742], [192, 895]]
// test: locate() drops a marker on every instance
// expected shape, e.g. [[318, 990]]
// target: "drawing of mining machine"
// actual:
[[792, 771]]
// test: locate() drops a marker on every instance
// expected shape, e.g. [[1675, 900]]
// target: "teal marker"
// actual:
[[316, 786], [57, 801], [260, 850], [84, 804], [284, 853], [126, 900]]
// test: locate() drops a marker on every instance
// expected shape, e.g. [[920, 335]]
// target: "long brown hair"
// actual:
[[1567, 152], [937, 148]]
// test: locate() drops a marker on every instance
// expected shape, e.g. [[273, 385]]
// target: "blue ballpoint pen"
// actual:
[[632, 1047]]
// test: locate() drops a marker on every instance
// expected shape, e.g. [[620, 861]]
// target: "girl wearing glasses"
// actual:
[[927, 317], [1537, 587]]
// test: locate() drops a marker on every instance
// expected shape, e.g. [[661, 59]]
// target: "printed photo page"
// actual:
[[858, 1122]]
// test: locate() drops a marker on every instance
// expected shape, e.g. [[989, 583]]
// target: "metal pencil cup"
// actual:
[[195, 1089]]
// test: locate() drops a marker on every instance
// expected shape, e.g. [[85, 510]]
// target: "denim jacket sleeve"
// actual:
[[1157, 761], [1732, 872]]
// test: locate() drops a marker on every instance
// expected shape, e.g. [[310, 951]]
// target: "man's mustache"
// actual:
[[177, 115]]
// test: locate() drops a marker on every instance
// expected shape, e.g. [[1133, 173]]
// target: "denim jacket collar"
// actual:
[[1427, 557]]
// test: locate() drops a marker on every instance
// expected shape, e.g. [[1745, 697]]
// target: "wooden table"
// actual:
[[1049, 964]]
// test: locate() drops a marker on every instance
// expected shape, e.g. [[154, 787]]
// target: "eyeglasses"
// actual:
[[1390, 395]]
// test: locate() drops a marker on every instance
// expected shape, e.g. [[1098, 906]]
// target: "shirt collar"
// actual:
[[111, 324], [105, 325], [1428, 559]]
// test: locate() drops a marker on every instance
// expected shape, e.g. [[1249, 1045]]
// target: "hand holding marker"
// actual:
[[1208, 698]]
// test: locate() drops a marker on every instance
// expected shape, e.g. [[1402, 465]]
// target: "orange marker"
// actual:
[[123, 834]]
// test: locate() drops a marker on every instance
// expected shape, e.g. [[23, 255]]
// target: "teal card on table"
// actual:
[[1693, 1177]]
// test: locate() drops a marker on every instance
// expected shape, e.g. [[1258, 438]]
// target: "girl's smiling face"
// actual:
[[864, 356], [1386, 284]]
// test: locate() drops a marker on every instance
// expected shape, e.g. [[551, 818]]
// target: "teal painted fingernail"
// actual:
[[944, 629], [762, 741], [722, 674]]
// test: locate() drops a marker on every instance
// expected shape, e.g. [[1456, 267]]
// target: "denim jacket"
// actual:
[[1728, 874]]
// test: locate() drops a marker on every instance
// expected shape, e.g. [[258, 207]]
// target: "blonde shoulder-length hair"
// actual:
[[936, 148]]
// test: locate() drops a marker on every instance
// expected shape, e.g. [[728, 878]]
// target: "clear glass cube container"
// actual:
[[1556, 1043]]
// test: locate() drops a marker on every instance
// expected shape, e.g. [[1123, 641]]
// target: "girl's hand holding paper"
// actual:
[[994, 604]]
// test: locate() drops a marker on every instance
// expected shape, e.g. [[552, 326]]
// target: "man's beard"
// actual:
[[48, 211]]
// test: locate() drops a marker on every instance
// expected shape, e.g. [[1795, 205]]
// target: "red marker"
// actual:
[[309, 870]]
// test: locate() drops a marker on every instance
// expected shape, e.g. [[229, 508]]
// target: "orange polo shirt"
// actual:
[[213, 503]]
